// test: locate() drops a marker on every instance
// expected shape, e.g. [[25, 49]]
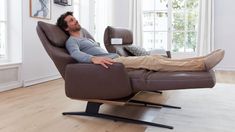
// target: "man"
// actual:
[[88, 51]]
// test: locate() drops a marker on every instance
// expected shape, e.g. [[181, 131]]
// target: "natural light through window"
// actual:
[[170, 24], [3, 22]]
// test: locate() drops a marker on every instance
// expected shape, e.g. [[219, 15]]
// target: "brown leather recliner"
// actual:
[[99, 85]]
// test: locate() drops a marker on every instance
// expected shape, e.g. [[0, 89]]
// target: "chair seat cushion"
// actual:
[[144, 80]]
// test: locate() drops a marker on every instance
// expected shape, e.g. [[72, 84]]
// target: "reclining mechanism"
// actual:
[[92, 109], [93, 106]]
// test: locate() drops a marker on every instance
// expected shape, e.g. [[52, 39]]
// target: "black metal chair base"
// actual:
[[145, 103], [92, 110]]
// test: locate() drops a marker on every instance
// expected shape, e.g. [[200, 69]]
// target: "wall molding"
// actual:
[[10, 86], [225, 68], [42, 79], [20, 84]]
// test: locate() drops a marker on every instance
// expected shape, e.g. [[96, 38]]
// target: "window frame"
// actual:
[[5, 22], [170, 28]]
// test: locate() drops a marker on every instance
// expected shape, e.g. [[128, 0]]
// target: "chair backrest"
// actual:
[[53, 40], [126, 36]]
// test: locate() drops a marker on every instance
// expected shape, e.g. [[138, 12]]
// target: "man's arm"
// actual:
[[80, 56], [75, 52]]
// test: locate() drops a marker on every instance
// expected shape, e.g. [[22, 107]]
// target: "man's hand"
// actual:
[[104, 61]]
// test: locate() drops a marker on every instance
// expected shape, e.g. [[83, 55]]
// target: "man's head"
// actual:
[[68, 23]]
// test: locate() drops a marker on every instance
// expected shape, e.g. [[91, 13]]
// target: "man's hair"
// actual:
[[61, 23]]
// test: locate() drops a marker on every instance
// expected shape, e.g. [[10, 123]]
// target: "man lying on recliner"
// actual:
[[86, 50]]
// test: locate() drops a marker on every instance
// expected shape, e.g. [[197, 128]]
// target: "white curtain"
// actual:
[[206, 27], [95, 16], [84, 13], [103, 11], [135, 21]]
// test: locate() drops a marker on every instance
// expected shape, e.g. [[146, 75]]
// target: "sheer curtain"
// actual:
[[103, 18], [94, 15], [206, 27], [135, 21]]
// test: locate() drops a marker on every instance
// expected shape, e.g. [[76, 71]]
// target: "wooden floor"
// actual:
[[38, 109]]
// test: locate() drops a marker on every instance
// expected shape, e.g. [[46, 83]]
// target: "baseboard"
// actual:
[[10, 86], [224, 68], [27, 83]]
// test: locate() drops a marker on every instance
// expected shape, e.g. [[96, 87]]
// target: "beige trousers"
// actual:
[[159, 63]]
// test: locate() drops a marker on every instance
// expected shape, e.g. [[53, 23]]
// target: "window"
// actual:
[[170, 24], [3, 29]]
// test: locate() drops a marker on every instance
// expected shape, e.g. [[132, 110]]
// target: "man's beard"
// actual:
[[78, 26], [76, 29]]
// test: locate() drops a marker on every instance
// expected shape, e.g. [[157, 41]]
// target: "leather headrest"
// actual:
[[125, 34], [56, 36]]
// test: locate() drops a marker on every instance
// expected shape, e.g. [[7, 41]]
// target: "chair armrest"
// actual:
[[90, 81]]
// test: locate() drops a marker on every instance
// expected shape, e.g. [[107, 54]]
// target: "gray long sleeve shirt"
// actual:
[[83, 49]]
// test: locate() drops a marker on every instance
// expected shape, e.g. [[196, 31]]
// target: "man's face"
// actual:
[[72, 23]]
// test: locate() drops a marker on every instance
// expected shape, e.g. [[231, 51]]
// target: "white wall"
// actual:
[[225, 32], [37, 66]]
